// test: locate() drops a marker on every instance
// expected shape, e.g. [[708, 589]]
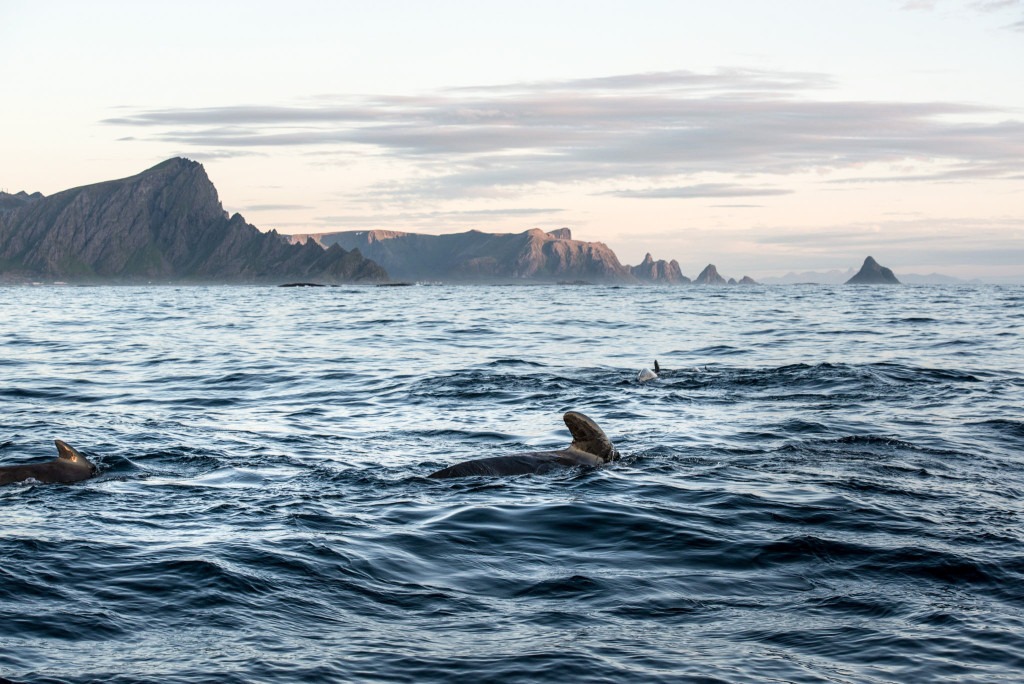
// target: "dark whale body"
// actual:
[[69, 466], [590, 446]]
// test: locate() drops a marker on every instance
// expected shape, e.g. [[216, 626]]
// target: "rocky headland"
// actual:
[[165, 224], [534, 255], [475, 256]]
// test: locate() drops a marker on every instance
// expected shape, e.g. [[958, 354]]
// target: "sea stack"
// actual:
[[709, 276], [873, 273], [660, 271]]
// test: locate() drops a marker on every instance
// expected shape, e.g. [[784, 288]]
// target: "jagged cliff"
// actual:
[[478, 256], [9, 202], [660, 271], [164, 224], [873, 273]]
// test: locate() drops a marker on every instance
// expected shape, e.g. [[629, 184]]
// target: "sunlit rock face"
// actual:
[[476, 256], [659, 272]]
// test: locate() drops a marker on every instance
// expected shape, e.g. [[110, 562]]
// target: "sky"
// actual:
[[765, 138]]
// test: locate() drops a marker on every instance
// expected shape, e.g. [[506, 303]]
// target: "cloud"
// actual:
[[213, 155], [996, 5], [737, 206], [276, 207], [660, 128], [979, 5], [457, 219], [702, 190]]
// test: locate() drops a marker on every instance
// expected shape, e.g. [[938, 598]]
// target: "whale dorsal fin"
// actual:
[[588, 437], [68, 453]]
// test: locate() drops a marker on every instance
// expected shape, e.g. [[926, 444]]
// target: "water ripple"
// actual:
[[824, 485]]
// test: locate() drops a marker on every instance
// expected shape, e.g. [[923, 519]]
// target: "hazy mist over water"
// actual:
[[824, 485]]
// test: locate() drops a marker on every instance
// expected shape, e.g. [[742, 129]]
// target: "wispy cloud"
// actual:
[[976, 6], [276, 207], [659, 128], [702, 190], [456, 219], [996, 5]]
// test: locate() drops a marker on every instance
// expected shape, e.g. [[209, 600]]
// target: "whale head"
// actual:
[[588, 437], [70, 456]]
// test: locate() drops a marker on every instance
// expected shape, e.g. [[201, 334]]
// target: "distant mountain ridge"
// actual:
[[477, 256], [167, 224], [164, 224]]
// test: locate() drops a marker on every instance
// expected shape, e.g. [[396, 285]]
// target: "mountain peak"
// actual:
[[873, 273], [709, 276]]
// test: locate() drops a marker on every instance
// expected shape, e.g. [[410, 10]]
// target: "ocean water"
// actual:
[[825, 485]]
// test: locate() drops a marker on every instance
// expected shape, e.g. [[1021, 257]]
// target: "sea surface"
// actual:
[[824, 485]]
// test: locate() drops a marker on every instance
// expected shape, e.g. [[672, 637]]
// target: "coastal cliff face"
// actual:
[[873, 273], [478, 256], [659, 272], [164, 224]]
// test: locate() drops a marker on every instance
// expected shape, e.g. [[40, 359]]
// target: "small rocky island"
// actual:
[[873, 273]]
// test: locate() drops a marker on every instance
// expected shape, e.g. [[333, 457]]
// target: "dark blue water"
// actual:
[[824, 486]]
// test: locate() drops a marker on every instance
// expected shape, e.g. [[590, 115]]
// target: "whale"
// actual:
[[647, 374], [590, 447], [69, 466]]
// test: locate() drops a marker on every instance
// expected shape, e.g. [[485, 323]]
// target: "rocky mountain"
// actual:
[[660, 271], [873, 273], [709, 276], [476, 256], [164, 224]]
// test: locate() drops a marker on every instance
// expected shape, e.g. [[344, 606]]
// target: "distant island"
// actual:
[[873, 273], [476, 256], [167, 224]]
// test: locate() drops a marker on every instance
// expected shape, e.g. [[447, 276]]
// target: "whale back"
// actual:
[[588, 437], [69, 466]]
